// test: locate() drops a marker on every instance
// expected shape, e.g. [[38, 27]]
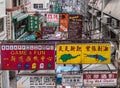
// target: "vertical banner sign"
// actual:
[[83, 53], [52, 20], [27, 56], [75, 26], [64, 22], [33, 23], [109, 79]]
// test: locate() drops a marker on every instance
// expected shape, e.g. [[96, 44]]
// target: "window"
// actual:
[[1, 25], [14, 3], [38, 6], [19, 2]]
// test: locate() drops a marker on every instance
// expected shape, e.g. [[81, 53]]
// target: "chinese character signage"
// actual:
[[52, 20], [64, 22], [27, 56], [75, 26], [33, 23], [40, 81], [83, 53], [109, 79], [72, 80]]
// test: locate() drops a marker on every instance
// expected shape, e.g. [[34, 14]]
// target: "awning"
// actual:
[[19, 17], [113, 9], [99, 67]]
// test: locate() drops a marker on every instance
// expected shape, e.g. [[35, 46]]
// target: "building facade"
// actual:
[[4, 75], [104, 23], [2, 20], [16, 18]]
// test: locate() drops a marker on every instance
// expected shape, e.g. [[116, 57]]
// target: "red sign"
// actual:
[[27, 56], [109, 79]]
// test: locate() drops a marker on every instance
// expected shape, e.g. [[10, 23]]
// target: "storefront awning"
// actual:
[[113, 9], [19, 17], [99, 67]]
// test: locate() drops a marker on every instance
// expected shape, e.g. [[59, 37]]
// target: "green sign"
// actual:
[[33, 23], [29, 37], [19, 17], [57, 9], [20, 31]]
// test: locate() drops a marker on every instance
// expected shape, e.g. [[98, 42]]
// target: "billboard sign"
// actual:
[[41, 81], [27, 56], [73, 80], [75, 26], [109, 79], [92, 53]]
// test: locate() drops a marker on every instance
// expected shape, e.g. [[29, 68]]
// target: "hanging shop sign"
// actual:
[[109, 79], [19, 17], [72, 80], [75, 26], [29, 37], [64, 22], [20, 31], [33, 23], [92, 53], [41, 81], [52, 20], [27, 56]]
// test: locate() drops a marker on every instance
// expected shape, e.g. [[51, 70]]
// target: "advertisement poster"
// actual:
[[91, 53], [109, 79], [75, 26], [27, 56], [64, 19]]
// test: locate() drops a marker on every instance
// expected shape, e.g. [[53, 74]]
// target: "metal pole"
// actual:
[[101, 29]]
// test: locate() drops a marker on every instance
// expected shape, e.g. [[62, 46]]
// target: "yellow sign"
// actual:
[[83, 53]]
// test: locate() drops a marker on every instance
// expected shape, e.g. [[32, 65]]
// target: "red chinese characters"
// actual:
[[27, 57]]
